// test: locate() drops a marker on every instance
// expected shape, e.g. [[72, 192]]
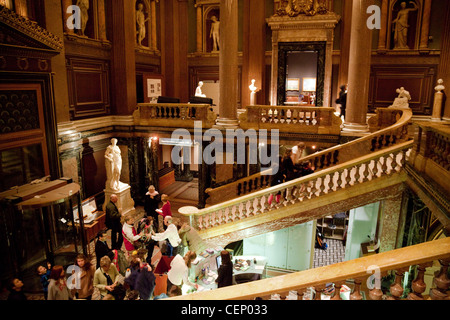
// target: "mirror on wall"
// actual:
[[301, 68]]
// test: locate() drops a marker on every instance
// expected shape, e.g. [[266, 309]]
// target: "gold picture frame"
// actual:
[[293, 84]]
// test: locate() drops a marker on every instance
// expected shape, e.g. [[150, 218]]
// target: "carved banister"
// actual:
[[175, 115], [331, 156], [335, 273]]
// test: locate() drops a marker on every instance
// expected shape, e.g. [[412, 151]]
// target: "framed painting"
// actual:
[[153, 87], [293, 84]]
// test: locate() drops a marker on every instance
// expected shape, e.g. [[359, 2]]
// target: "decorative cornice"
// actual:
[[30, 28], [327, 21]]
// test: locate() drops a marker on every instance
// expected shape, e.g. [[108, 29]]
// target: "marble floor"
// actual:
[[335, 253]]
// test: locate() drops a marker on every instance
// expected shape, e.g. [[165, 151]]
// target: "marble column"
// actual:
[[383, 31], [253, 53], [359, 69], [65, 5], [444, 63], [425, 25], [154, 40], [228, 64], [123, 69], [59, 72], [345, 45], [391, 222], [199, 30]]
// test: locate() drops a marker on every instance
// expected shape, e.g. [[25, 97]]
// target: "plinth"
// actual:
[[125, 202]]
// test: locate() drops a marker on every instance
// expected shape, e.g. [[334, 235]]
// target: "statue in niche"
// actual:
[[214, 33], [401, 26], [198, 91], [113, 165], [140, 21], [84, 15]]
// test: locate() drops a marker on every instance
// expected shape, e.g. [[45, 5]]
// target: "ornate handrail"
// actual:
[[395, 133], [319, 120], [358, 270], [175, 115], [380, 164]]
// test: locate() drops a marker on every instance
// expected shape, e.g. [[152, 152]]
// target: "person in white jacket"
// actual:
[[179, 271], [171, 234]]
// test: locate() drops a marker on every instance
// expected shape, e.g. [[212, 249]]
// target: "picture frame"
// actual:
[[153, 87], [292, 84], [309, 84]]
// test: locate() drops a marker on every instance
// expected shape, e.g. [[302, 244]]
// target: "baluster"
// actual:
[[340, 179], [418, 286], [335, 157], [239, 189], [230, 213], [441, 281], [396, 288], [199, 222], [223, 216], [366, 173], [289, 197], [241, 214], [356, 294], [337, 290], [357, 173], [216, 218], [348, 178], [319, 289], [321, 185], [206, 221], [260, 206], [251, 208]]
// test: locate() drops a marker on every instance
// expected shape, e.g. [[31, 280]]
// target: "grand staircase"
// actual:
[[350, 175]]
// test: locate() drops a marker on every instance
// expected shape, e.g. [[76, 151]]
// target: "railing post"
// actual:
[[418, 286], [441, 281], [356, 294]]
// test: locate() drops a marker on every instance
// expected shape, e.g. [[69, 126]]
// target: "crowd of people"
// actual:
[[125, 271]]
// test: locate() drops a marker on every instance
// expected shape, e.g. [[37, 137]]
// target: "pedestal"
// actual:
[[125, 202]]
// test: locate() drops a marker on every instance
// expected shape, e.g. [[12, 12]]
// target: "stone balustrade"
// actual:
[[362, 275], [174, 115], [378, 166], [318, 120], [392, 127]]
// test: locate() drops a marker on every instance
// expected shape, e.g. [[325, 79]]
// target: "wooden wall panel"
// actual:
[[418, 80], [88, 82]]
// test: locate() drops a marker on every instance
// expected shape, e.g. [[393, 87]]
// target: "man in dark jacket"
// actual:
[[112, 221], [101, 247]]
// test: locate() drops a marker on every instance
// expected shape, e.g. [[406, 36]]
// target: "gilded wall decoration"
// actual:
[[294, 8]]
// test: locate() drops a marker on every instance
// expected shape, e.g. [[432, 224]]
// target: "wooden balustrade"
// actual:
[[381, 139], [357, 270], [352, 173], [431, 152], [175, 115], [319, 120]]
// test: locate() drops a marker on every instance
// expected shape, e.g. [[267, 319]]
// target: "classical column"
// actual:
[[199, 28], [65, 5], [359, 69], [253, 55], [345, 45], [123, 64], [383, 30], [228, 64], [391, 223], [154, 43], [425, 25], [444, 63], [59, 72], [101, 20]]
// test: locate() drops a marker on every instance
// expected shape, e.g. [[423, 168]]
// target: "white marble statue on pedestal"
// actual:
[[113, 165], [198, 91], [253, 89], [401, 101]]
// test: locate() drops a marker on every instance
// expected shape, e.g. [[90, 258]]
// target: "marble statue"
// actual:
[[252, 87], [439, 86], [113, 164], [84, 7], [140, 21], [214, 33], [402, 99], [401, 26], [198, 91]]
